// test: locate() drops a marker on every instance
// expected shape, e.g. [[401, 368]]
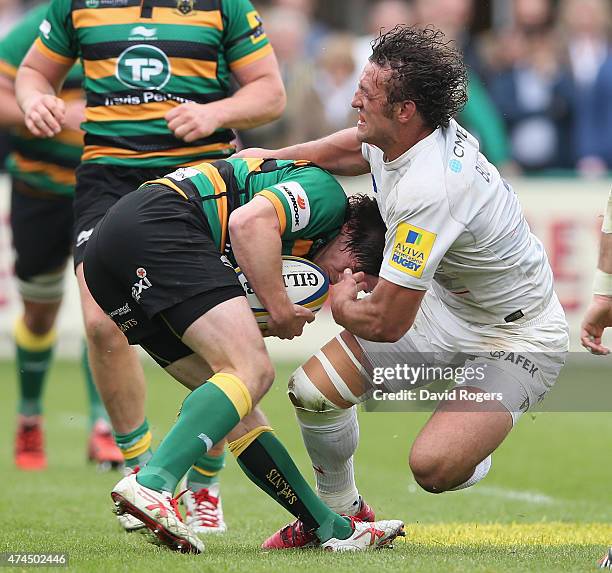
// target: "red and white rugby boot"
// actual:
[[102, 449], [367, 535], [29, 444], [204, 511], [294, 535], [159, 512]]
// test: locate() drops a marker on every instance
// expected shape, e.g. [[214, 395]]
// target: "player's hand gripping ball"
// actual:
[[307, 285]]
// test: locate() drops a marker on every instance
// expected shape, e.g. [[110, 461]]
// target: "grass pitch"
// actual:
[[545, 505]]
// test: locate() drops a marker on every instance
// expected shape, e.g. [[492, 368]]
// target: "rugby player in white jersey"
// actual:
[[598, 316], [461, 273]]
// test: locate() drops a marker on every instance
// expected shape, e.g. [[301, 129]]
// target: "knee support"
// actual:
[[42, 288]]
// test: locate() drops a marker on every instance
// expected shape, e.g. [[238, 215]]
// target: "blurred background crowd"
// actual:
[[540, 72]]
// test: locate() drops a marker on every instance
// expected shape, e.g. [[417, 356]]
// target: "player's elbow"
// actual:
[[240, 222], [277, 98], [272, 97]]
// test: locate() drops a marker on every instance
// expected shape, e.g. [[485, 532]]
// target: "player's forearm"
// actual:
[[260, 261], [365, 318], [31, 83], [605, 245], [605, 253], [10, 113], [603, 275], [339, 153], [602, 285], [254, 104]]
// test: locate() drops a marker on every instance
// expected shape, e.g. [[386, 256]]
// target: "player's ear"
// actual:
[[405, 111]]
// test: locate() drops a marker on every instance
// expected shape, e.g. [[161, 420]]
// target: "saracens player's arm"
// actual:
[[260, 260], [338, 153], [598, 316], [384, 316]]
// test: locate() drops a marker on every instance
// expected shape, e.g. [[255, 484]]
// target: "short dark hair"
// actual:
[[426, 69], [365, 232]]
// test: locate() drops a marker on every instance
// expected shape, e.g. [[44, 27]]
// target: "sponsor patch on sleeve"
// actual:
[[183, 173], [298, 203], [256, 25], [45, 28], [411, 249]]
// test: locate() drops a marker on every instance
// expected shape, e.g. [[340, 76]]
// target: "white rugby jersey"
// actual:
[[455, 225]]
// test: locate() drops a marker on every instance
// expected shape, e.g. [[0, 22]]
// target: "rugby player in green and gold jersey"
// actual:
[[158, 264], [42, 180], [157, 78]]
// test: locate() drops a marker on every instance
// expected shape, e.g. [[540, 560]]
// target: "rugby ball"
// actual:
[[306, 285]]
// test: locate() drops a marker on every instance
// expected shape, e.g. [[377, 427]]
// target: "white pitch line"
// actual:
[[514, 494]]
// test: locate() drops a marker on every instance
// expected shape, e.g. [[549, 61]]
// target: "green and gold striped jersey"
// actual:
[[46, 164], [309, 202], [141, 58]]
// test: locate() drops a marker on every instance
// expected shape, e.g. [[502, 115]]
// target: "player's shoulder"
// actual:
[[423, 176], [460, 157], [315, 180], [233, 11]]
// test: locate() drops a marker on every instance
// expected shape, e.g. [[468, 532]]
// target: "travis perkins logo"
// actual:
[[299, 206], [143, 284]]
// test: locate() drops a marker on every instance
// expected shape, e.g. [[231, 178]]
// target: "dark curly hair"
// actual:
[[426, 69], [365, 231]]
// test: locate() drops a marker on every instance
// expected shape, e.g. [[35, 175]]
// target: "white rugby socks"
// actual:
[[331, 439], [482, 469]]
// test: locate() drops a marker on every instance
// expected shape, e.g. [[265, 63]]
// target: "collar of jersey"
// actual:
[[411, 153]]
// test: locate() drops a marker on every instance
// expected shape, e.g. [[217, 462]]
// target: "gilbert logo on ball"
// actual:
[[306, 284]]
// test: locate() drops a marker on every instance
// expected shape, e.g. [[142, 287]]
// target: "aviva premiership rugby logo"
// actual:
[[143, 67], [411, 249]]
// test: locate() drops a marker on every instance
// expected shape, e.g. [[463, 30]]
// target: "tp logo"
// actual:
[[143, 66], [143, 69]]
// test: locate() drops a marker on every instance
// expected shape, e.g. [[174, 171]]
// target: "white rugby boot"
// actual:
[[367, 535], [159, 512], [204, 511]]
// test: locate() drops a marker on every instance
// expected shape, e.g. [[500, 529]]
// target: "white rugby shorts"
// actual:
[[518, 362]]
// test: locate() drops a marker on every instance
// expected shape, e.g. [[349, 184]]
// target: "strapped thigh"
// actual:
[[333, 378]]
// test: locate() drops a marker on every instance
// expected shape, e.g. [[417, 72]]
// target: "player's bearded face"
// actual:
[[370, 100]]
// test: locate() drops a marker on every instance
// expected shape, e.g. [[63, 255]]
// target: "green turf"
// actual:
[[545, 506]]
